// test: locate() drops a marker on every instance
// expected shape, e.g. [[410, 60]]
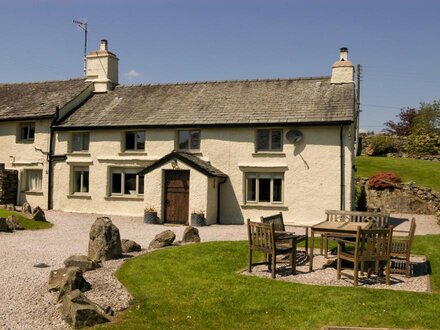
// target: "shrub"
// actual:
[[423, 144], [384, 180], [382, 144]]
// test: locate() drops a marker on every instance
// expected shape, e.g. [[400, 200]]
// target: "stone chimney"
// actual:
[[102, 68], [342, 70]]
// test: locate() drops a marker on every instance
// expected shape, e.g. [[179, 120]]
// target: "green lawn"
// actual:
[[197, 287], [25, 222], [422, 172]]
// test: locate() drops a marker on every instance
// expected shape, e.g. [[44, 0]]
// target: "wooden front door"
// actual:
[[176, 197]]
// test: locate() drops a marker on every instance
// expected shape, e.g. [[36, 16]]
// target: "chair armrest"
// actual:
[[340, 240]]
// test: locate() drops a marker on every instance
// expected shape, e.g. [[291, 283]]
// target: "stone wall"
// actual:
[[406, 198], [8, 186]]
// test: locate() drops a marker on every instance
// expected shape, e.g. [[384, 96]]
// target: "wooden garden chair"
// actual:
[[371, 247], [262, 239], [401, 251]]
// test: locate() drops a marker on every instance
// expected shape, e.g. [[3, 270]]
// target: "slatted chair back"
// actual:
[[276, 219], [261, 236], [379, 220], [375, 244], [401, 249]]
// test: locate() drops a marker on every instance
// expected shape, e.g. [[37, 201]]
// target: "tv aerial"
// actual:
[[83, 26]]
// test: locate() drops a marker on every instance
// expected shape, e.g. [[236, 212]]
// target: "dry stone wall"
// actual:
[[8, 186]]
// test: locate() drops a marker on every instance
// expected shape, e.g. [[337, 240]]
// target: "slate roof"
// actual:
[[245, 102], [189, 159], [34, 100]]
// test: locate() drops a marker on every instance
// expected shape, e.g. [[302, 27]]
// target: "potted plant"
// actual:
[[150, 215], [198, 218]]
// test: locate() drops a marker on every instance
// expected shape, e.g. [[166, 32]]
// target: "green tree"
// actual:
[[427, 119]]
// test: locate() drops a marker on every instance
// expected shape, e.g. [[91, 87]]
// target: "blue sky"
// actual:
[[396, 42]]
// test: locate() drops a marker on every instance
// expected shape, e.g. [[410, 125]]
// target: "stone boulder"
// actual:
[[13, 223], [129, 246], [66, 280], [104, 240], [82, 262], [165, 238], [191, 235], [38, 214], [4, 225], [26, 209], [10, 207], [79, 311]]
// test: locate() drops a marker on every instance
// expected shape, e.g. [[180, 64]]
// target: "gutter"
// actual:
[[218, 199], [342, 168], [50, 158]]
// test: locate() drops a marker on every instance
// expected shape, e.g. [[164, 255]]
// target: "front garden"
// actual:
[[27, 223]]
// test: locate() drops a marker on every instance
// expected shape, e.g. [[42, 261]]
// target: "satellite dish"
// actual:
[[294, 136]]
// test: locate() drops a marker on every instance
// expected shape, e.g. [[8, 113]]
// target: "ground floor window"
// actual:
[[80, 179], [264, 187], [125, 181], [33, 180]]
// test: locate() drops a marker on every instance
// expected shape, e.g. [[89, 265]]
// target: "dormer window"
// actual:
[[135, 141], [269, 139], [188, 139], [26, 132]]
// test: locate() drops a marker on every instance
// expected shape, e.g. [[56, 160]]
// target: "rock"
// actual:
[[13, 223], [130, 246], [38, 214], [105, 241], [191, 235], [162, 239], [79, 311], [10, 207], [82, 262], [26, 208], [4, 225], [66, 280]]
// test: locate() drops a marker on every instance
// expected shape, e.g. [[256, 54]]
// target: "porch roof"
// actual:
[[189, 159]]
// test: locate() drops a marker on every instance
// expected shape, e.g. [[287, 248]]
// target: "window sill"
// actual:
[[124, 198], [133, 152], [32, 192], [79, 153], [279, 207], [269, 154], [25, 141], [79, 196]]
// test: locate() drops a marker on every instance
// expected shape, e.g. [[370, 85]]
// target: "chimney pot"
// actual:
[[104, 45], [343, 54]]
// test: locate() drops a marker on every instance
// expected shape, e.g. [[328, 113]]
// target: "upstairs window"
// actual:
[[188, 139], [264, 187], [27, 132], [125, 181], [135, 141], [269, 140], [80, 141]]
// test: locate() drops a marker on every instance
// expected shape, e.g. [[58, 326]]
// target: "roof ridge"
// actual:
[[225, 81], [41, 82]]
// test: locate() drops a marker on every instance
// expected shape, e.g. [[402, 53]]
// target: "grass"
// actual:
[[197, 287], [422, 172], [25, 222]]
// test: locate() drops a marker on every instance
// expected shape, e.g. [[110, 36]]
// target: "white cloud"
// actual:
[[132, 74]]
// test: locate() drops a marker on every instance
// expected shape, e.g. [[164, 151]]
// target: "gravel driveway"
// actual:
[[24, 300]]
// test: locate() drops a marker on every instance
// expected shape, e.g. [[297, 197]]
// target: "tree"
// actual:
[[427, 119], [404, 126]]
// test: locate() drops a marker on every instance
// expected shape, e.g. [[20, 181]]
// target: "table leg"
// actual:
[[312, 243], [307, 239]]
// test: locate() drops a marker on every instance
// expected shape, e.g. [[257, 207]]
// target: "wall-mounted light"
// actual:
[[174, 164]]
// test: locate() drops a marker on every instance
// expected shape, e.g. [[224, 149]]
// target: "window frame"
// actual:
[[270, 149], [82, 169], [123, 171], [258, 176], [25, 184], [190, 131], [72, 138], [28, 125], [136, 149]]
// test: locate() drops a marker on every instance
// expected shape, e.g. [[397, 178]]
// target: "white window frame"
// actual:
[[258, 176], [135, 142], [124, 171], [26, 139], [190, 130], [72, 139], [26, 184], [81, 169], [270, 149]]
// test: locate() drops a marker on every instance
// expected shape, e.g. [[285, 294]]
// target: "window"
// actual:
[[33, 180], [269, 140], [264, 187], [125, 181], [80, 179], [135, 141], [80, 141], [27, 132], [188, 140]]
